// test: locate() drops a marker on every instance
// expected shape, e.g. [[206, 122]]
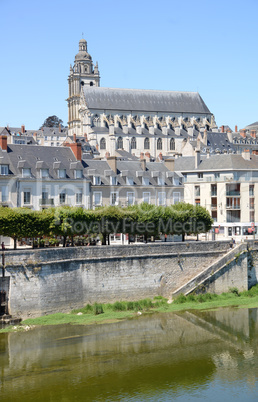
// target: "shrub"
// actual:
[[137, 306], [234, 291], [119, 306], [98, 308], [180, 299], [146, 303], [130, 305], [87, 309], [200, 298], [191, 298]]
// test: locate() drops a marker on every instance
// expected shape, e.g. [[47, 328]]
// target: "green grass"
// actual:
[[111, 312]]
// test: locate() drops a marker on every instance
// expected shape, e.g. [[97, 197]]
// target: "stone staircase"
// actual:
[[197, 281]]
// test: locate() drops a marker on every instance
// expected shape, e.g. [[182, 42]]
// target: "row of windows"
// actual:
[[46, 200], [26, 172], [130, 198], [120, 144], [129, 181]]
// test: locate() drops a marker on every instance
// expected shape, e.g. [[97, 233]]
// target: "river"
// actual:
[[187, 356]]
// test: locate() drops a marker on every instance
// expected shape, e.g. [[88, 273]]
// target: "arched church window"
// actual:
[[146, 143], [133, 143], [103, 143], [159, 144], [91, 84], [172, 144], [120, 143]]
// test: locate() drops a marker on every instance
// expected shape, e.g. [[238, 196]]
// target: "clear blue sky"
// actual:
[[188, 45]]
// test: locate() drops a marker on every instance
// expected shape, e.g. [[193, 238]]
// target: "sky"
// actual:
[[189, 45]]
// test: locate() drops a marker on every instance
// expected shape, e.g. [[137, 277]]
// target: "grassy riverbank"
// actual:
[[106, 313]]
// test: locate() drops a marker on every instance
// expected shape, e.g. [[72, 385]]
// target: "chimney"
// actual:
[[255, 152], [230, 136], [141, 155], [86, 137], [243, 133], [143, 164], [76, 148], [107, 154], [74, 137], [222, 129], [208, 153], [111, 160], [23, 129], [253, 133], [235, 129], [246, 155], [170, 164], [160, 156], [3, 142], [197, 158], [59, 128]]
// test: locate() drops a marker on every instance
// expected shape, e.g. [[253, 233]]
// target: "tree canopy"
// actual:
[[144, 219], [52, 121]]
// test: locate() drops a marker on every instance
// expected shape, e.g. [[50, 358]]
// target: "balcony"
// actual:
[[214, 206], [233, 193], [233, 207], [46, 201]]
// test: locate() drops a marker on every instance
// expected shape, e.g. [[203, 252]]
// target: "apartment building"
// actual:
[[227, 185]]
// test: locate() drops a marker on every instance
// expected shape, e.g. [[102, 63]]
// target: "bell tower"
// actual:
[[82, 74]]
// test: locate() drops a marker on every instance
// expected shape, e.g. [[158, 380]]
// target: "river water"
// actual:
[[189, 356]]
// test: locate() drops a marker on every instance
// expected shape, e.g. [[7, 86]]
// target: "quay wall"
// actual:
[[45, 281]]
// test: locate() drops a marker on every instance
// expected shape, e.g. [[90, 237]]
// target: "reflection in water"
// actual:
[[163, 357]]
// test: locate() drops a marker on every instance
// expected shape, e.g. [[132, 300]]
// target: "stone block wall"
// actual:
[[46, 281]]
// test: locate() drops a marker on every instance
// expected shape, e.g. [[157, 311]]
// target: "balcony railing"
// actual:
[[233, 207], [46, 201], [233, 193]]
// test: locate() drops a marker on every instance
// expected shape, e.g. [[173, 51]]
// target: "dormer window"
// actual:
[[129, 181], [4, 170], [26, 172], [113, 180], [145, 181], [96, 180], [78, 174], [61, 173], [44, 173], [161, 181]]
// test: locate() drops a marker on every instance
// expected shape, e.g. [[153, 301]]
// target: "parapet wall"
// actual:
[[46, 281]]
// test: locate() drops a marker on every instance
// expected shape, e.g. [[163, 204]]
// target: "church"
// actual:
[[141, 122]]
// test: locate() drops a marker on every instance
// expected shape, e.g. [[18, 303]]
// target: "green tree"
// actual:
[[52, 121]]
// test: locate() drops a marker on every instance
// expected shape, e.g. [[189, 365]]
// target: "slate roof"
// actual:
[[100, 166], [144, 100], [34, 155], [216, 163], [219, 141]]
